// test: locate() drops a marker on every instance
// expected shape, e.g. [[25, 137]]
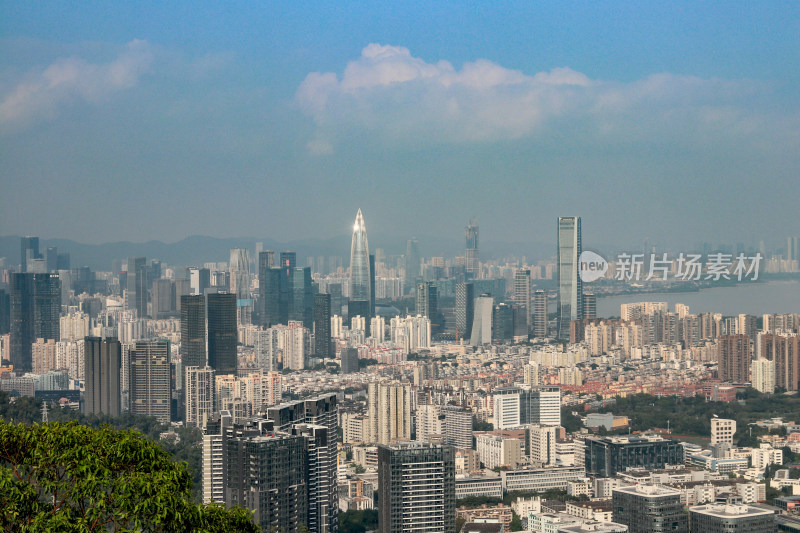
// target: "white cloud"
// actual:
[[397, 97], [40, 93]]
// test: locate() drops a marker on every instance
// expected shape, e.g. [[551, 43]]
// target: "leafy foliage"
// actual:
[[516, 522], [27, 410], [358, 521], [69, 477], [692, 416]]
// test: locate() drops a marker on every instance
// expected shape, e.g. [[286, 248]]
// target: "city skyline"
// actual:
[[584, 108]]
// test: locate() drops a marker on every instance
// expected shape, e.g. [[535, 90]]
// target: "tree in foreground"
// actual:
[[68, 477]]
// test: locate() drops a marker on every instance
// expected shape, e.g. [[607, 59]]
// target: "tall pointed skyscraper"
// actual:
[[570, 287], [360, 289], [472, 256]]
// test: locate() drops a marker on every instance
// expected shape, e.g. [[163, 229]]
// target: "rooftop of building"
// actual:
[[648, 490], [482, 527], [626, 439], [596, 505], [729, 511]]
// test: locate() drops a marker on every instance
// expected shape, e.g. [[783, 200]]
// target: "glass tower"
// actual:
[[472, 256], [570, 288], [360, 288]]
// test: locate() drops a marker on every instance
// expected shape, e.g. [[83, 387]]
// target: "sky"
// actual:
[[674, 122]]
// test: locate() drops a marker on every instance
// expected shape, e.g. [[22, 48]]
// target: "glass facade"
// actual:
[[360, 288], [570, 288]]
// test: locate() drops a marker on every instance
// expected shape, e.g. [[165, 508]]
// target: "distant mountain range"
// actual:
[[198, 249]]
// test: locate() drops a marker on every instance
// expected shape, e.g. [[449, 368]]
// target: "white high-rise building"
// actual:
[[506, 410], [266, 345], [546, 406], [74, 326], [531, 374], [390, 411], [542, 443], [337, 327], [495, 451], [762, 372], [377, 328], [213, 461], [411, 333], [482, 321], [199, 389], [722, 430]]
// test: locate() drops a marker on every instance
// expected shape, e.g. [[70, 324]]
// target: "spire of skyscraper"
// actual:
[[360, 288]]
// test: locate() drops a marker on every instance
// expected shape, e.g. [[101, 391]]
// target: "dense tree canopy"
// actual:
[[69, 477], [692, 416], [27, 410]]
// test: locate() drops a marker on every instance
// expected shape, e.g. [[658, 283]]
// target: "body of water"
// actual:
[[750, 298]]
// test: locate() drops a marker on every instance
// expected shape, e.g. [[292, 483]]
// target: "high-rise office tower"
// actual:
[[540, 313], [465, 309], [522, 293], [411, 265], [482, 321], [193, 330], [199, 390], [371, 285], [199, 280], [163, 301], [34, 312], [239, 268], [649, 509], [222, 332], [503, 323], [360, 289], [589, 305], [570, 287], [137, 281], [416, 481], [322, 326], [5, 312], [29, 250], [472, 266], [103, 368], [427, 304], [271, 288], [301, 302], [51, 258], [266, 261], [150, 380], [288, 260], [733, 358]]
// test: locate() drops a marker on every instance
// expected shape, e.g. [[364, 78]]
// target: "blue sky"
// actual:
[[677, 122]]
